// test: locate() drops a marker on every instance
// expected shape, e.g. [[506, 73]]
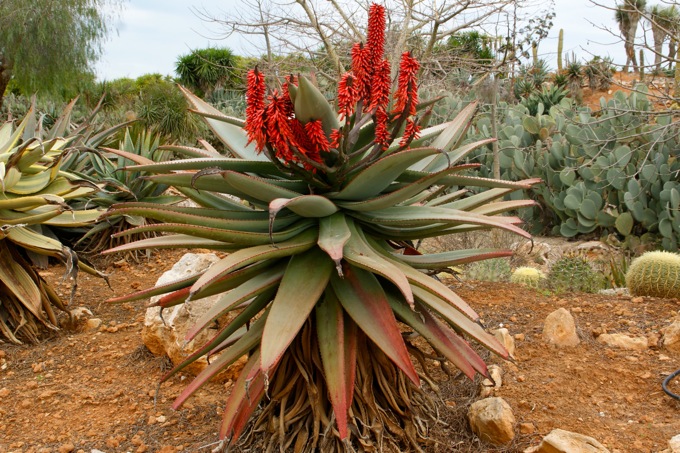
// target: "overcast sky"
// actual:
[[152, 34]]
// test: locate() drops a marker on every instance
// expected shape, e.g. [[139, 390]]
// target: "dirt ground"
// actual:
[[79, 391]]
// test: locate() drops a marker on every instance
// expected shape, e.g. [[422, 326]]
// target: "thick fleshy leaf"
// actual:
[[257, 188], [452, 258], [338, 348], [420, 280], [241, 238], [456, 155], [212, 218], [233, 279], [35, 242], [233, 136], [364, 299], [247, 256], [425, 216], [456, 318], [157, 290], [30, 201], [500, 207], [245, 395], [424, 323], [482, 198], [310, 104], [304, 206], [379, 175], [173, 241], [358, 252], [246, 315], [223, 163], [395, 197], [304, 282], [19, 282], [246, 343], [259, 284], [333, 235]]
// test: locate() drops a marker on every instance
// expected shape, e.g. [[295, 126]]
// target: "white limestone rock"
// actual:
[[559, 329], [561, 441], [492, 420]]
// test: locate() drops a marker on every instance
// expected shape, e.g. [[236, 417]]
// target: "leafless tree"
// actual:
[[323, 30]]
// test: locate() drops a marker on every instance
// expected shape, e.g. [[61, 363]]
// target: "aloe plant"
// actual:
[[102, 167], [320, 264], [33, 197]]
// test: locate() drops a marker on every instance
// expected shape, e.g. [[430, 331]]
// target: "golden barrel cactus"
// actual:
[[527, 276], [655, 274]]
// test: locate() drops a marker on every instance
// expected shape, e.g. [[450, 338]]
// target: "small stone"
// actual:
[[67, 448], [674, 444], [3, 354], [559, 329], [142, 449], [527, 428], [520, 337], [167, 449], [161, 419], [621, 341], [92, 324], [671, 336], [136, 440], [561, 441], [112, 442], [503, 335], [521, 378], [492, 420], [4, 392], [38, 367], [637, 300], [487, 387], [151, 420], [31, 385]]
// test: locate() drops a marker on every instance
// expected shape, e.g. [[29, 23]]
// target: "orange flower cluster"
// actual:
[[273, 123], [366, 87]]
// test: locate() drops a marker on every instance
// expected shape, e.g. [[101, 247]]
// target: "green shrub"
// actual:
[[493, 270]]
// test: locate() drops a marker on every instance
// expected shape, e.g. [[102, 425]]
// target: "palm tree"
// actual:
[[627, 17], [664, 23]]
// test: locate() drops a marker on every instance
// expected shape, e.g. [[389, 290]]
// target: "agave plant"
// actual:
[[321, 267], [33, 196], [101, 167]]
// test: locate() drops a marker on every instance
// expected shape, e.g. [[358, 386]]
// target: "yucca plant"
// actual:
[[33, 197], [102, 167], [329, 289]]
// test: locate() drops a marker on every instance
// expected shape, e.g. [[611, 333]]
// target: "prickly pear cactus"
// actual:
[[655, 274], [493, 270], [528, 276], [573, 273]]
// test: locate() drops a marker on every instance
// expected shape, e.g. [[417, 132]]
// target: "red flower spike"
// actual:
[[335, 138], [317, 137], [382, 135], [411, 132], [407, 86], [255, 109], [279, 132], [286, 95], [361, 67], [382, 84], [347, 95], [375, 38]]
